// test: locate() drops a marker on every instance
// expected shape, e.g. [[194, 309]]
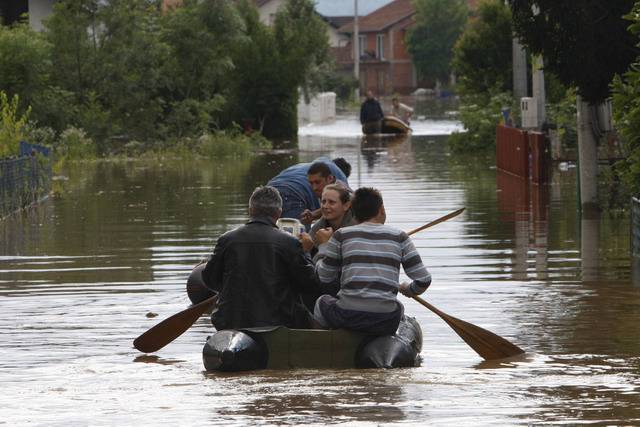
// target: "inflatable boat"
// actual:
[[391, 125], [279, 347]]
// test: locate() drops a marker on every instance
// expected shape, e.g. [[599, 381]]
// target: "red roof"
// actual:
[[382, 18]]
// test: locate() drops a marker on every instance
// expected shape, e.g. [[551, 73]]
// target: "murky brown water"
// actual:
[[79, 275]]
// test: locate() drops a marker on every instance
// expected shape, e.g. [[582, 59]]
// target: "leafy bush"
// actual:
[[480, 116], [563, 115], [12, 125], [626, 114], [74, 144]]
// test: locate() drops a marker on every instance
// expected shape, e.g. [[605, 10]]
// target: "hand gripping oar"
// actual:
[[171, 328], [487, 344]]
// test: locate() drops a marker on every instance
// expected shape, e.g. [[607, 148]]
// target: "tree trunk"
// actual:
[[588, 161]]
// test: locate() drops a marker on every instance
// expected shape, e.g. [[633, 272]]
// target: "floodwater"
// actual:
[[85, 273]]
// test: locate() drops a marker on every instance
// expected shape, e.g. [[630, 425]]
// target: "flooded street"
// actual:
[[92, 268]]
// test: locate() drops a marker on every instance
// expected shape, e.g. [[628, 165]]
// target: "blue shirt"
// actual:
[[294, 178]]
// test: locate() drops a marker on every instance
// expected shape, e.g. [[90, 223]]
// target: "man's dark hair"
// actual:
[[366, 203], [319, 167], [343, 165], [265, 201]]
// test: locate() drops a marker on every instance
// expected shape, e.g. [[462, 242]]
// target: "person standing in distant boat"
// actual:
[[401, 111], [371, 115]]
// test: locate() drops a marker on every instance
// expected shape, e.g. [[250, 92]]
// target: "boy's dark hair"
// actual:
[[319, 167], [343, 165], [366, 203]]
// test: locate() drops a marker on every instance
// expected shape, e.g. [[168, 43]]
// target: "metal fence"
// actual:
[[24, 180]]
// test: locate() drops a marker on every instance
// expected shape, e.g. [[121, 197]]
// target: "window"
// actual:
[[380, 46], [362, 44]]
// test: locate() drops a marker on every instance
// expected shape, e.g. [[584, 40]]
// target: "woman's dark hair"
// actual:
[[343, 165], [343, 192], [366, 203]]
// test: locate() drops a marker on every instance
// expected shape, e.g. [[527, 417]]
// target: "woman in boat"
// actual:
[[336, 209]]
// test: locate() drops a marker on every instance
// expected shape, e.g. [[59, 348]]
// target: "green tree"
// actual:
[[200, 36], [482, 54], [584, 43], [24, 62], [626, 103], [430, 41], [271, 64]]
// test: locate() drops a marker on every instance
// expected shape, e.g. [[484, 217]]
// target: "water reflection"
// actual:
[[79, 276], [310, 397]]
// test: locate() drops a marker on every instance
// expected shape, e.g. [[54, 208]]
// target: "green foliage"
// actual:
[[74, 144], [430, 40], [24, 64], [584, 43], [326, 78], [12, 125], [562, 113], [482, 55], [122, 71], [480, 115], [285, 56], [626, 114], [200, 37]]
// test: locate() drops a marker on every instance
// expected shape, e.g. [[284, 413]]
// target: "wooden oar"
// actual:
[[487, 344], [171, 328], [437, 221]]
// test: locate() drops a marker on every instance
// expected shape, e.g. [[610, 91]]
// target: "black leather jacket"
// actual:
[[260, 273]]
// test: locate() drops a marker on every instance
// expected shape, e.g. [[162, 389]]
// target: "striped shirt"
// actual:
[[367, 258]]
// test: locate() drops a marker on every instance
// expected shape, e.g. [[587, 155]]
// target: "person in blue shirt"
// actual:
[[301, 186]]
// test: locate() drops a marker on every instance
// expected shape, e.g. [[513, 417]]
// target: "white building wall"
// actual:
[[38, 10], [269, 10]]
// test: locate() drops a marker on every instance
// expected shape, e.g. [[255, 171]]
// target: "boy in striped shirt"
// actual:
[[366, 258]]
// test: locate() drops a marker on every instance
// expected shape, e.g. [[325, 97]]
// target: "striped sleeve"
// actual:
[[413, 267], [329, 260]]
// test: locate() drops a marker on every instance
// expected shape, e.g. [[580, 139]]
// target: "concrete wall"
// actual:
[[321, 108]]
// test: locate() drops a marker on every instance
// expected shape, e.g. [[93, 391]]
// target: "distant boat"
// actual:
[[392, 125]]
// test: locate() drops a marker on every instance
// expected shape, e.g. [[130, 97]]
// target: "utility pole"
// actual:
[[356, 49], [519, 69]]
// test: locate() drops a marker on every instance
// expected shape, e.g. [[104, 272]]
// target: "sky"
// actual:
[[345, 7]]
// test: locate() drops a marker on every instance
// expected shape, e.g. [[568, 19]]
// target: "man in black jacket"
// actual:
[[260, 271], [371, 115]]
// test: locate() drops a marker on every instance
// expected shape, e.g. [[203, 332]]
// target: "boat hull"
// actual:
[[284, 348], [278, 347], [390, 125]]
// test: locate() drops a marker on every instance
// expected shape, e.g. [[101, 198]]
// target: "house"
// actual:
[[10, 11], [385, 64]]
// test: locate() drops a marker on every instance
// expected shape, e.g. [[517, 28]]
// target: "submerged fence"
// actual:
[[24, 180]]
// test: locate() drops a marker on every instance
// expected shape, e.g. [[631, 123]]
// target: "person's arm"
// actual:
[[413, 267], [362, 115], [329, 257], [308, 216], [213, 271]]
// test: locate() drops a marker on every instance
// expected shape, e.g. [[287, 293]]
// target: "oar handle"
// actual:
[[437, 221]]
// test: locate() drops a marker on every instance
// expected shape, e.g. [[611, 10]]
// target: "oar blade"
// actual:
[[171, 328], [487, 344]]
